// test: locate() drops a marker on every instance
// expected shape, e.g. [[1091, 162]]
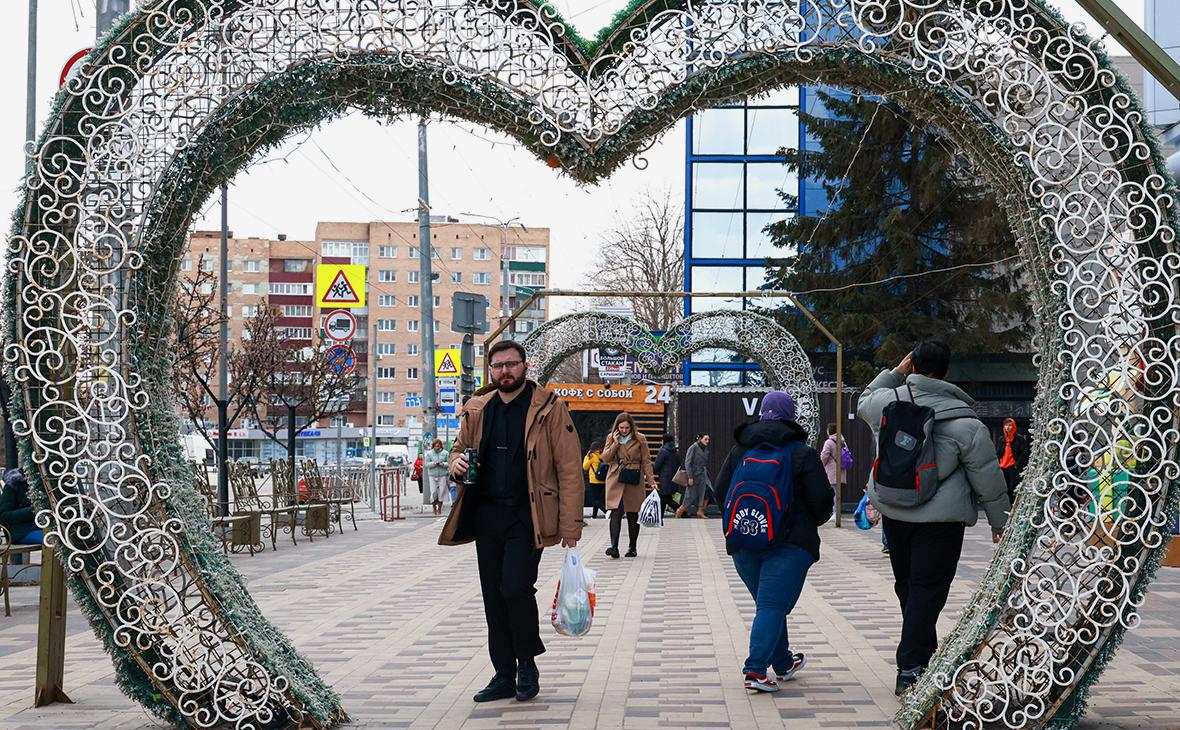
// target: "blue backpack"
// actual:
[[761, 494]]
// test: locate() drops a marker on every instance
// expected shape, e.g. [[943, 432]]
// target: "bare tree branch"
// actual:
[[643, 252]]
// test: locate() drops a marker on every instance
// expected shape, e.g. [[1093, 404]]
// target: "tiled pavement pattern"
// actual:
[[395, 624]]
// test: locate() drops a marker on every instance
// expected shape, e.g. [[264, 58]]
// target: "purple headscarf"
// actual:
[[778, 405]]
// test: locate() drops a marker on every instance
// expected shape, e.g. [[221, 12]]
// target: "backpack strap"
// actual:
[[904, 393]]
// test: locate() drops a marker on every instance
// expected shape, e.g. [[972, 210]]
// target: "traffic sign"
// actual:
[[340, 325], [365, 441], [447, 382], [446, 363], [448, 400], [72, 66], [340, 285], [340, 359], [413, 401]]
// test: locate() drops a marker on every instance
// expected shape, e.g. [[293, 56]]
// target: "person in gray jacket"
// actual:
[[696, 466], [925, 541]]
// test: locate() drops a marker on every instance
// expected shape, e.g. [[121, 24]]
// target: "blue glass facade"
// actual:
[[732, 177]]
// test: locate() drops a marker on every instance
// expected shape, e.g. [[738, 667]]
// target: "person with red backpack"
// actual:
[[775, 495]]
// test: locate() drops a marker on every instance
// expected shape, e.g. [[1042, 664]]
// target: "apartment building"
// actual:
[[281, 273]]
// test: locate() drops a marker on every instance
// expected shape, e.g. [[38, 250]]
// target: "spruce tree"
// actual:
[[902, 203]]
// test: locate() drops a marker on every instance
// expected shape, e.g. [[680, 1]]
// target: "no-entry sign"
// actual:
[[340, 325]]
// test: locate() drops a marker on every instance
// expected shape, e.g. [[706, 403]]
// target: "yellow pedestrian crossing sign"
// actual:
[[340, 286], [446, 363]]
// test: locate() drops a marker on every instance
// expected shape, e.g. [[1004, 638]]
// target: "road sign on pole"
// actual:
[[340, 325], [446, 363], [340, 359], [340, 285]]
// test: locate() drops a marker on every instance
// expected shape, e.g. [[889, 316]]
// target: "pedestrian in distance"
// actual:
[[630, 471], [935, 466], [1012, 452], [696, 464], [666, 466], [833, 454], [592, 466], [775, 495], [16, 510], [437, 469], [526, 494], [416, 475]]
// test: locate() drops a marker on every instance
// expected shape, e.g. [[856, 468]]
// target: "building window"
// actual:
[[414, 277], [337, 249], [479, 350], [386, 420], [456, 254], [249, 310], [292, 266], [242, 448], [296, 310], [207, 264], [437, 326], [386, 373], [249, 288], [535, 254], [386, 275], [437, 302], [253, 266], [412, 301], [483, 254], [387, 300], [412, 349], [360, 252], [386, 396], [387, 325], [456, 277], [186, 265], [481, 277], [295, 333], [387, 252], [386, 348], [412, 325], [526, 278], [413, 252], [283, 287], [412, 373]]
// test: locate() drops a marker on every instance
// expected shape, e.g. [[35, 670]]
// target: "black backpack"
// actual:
[[905, 473]]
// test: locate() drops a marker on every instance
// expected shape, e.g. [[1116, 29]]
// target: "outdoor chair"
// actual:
[[335, 497], [314, 516], [232, 530], [247, 501], [8, 548]]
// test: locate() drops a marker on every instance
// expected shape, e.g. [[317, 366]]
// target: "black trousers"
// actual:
[[507, 576], [925, 556]]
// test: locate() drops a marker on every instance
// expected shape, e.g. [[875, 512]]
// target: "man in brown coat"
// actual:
[[528, 495]]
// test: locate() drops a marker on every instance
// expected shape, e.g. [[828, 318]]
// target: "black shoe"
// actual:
[[612, 552], [501, 687], [630, 553], [528, 681], [906, 679]]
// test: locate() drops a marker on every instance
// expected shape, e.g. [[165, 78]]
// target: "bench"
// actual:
[[315, 516], [233, 530], [335, 496], [9, 549]]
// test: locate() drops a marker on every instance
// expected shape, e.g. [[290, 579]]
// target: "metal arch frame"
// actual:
[[1032, 102]]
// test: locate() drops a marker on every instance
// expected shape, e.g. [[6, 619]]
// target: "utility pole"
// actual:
[[372, 411], [425, 290], [223, 362], [107, 12]]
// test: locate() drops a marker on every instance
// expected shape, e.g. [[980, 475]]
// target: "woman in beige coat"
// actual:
[[630, 471]]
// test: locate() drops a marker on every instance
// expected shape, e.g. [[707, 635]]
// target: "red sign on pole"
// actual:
[[69, 69]]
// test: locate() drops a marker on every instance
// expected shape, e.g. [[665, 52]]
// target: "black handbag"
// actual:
[[600, 472], [629, 476]]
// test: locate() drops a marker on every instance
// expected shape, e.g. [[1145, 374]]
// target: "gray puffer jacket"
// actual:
[[969, 474]]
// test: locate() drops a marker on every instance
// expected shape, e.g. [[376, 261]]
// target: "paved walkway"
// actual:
[[395, 624]]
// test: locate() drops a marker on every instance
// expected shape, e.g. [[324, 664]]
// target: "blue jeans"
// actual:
[[775, 580], [36, 537]]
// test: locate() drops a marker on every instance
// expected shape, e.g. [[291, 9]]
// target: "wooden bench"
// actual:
[[234, 531], [8, 549]]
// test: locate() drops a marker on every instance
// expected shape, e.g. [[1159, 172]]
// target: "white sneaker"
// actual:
[[797, 663], [760, 683]]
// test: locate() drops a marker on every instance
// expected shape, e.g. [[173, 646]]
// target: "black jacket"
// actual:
[[813, 496], [666, 466], [16, 512], [1019, 450]]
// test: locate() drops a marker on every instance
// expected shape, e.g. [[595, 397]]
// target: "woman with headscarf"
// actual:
[[630, 471], [1012, 451], [16, 511]]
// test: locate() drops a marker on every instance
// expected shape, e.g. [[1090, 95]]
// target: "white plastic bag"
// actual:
[[573, 605], [651, 512]]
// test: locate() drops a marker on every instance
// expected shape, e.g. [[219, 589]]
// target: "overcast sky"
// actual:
[[471, 170]]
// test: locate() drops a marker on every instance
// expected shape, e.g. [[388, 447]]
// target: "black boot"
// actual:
[[528, 680], [906, 679], [501, 687]]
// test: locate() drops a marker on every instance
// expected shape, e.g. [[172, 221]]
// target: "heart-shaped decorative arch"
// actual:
[[759, 338], [180, 96]]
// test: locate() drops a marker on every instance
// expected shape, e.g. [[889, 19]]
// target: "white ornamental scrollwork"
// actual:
[[141, 135]]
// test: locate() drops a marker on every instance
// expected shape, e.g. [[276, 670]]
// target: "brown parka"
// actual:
[[635, 454], [554, 468]]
